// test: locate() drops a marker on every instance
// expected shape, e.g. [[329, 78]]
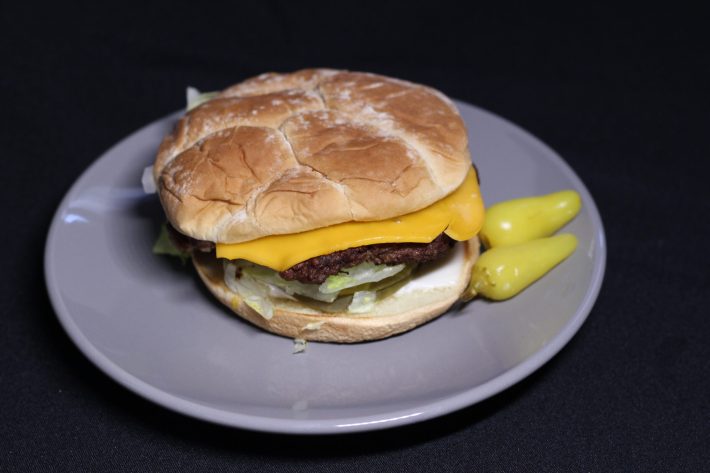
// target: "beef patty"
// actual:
[[317, 269], [187, 244]]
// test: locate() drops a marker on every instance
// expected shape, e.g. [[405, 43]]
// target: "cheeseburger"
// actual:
[[325, 205]]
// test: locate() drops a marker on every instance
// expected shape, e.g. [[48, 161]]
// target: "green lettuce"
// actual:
[[254, 293], [164, 246], [196, 98], [271, 277], [358, 275], [360, 285], [363, 301]]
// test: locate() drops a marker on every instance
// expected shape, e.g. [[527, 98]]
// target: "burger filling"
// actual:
[[348, 280], [318, 269]]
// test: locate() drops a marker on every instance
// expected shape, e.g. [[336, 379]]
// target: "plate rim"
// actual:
[[393, 418]]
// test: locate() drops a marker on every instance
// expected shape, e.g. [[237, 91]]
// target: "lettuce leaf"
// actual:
[[338, 306], [196, 98], [299, 345], [269, 276], [393, 281], [358, 275], [256, 285], [254, 294], [163, 246], [363, 301]]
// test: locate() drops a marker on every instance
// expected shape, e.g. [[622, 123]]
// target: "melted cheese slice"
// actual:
[[459, 215]]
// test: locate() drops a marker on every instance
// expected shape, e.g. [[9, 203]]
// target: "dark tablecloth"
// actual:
[[621, 95]]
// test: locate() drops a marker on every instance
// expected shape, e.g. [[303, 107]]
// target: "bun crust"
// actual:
[[286, 153], [390, 316]]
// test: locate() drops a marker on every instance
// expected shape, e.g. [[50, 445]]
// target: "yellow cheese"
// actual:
[[459, 215]]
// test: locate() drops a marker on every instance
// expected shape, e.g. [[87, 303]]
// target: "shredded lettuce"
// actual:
[[196, 98], [338, 306], [269, 276], [358, 275], [254, 294], [299, 345], [275, 291], [387, 283], [163, 246], [360, 285], [363, 301]]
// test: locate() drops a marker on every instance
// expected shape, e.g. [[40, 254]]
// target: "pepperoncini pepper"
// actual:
[[520, 220], [520, 249], [502, 272]]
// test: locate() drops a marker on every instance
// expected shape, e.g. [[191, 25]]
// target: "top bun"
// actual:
[[286, 153]]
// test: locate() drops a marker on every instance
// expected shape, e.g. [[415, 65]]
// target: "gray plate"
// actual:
[[147, 323]]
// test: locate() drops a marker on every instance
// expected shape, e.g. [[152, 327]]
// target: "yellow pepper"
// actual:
[[520, 220], [502, 272]]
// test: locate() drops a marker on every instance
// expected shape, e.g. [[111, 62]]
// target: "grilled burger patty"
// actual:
[[187, 244], [316, 270]]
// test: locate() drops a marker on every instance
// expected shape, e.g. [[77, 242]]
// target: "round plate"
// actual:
[[147, 322]]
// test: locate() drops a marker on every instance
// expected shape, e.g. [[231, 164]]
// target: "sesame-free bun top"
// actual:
[[287, 153]]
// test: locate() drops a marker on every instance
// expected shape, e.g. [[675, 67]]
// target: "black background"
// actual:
[[621, 95]]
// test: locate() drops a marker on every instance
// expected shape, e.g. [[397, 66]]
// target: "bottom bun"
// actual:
[[398, 312]]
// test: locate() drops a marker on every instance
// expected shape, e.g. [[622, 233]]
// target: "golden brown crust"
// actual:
[[286, 153], [390, 317]]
